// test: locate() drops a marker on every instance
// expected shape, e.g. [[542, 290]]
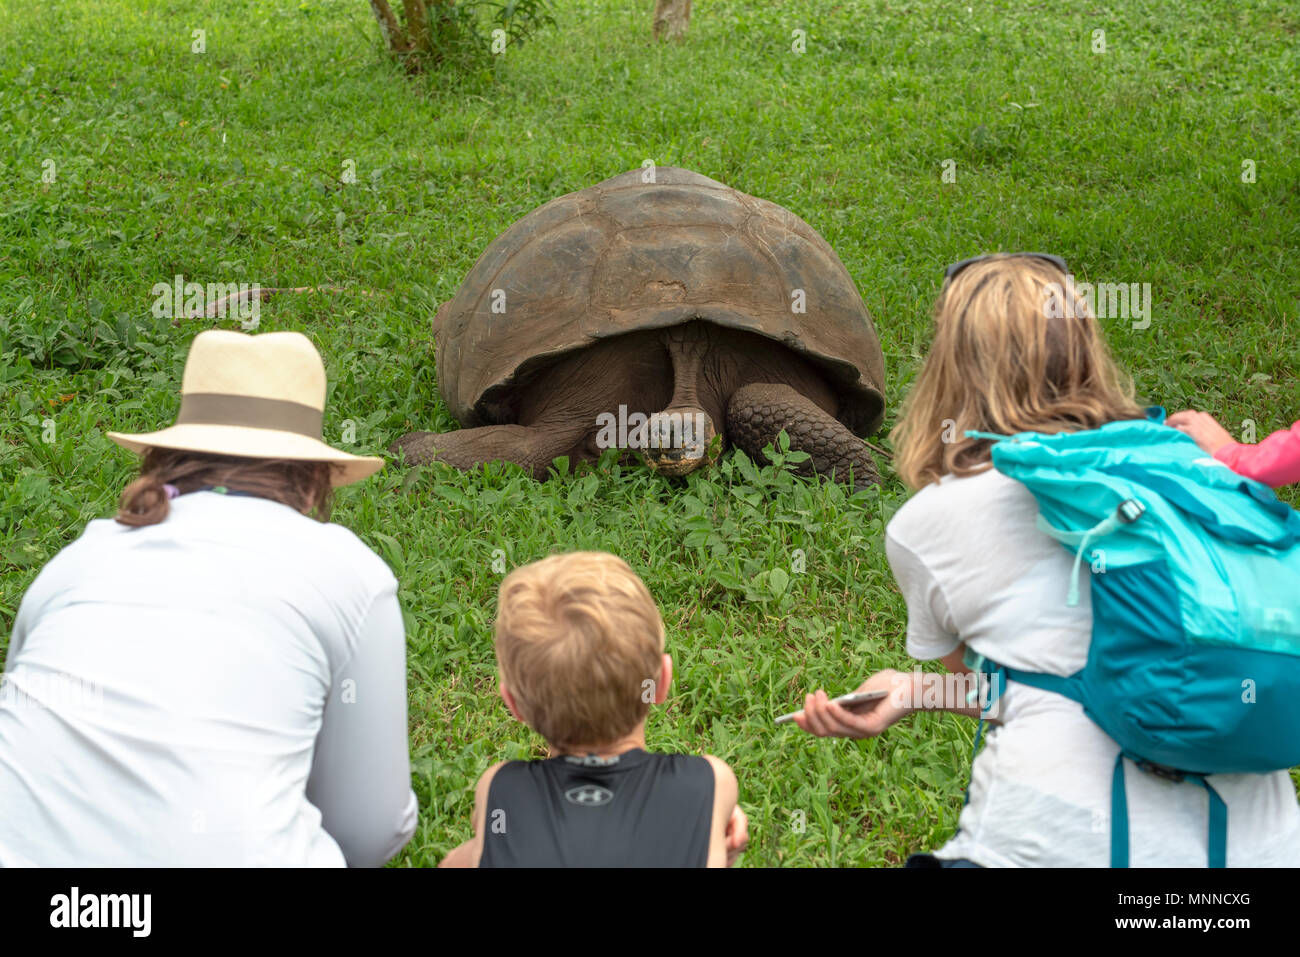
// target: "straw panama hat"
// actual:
[[253, 396]]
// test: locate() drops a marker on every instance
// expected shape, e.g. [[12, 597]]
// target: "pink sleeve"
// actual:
[[1275, 461]]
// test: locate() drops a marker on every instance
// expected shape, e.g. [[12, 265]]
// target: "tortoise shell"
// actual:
[[624, 256]]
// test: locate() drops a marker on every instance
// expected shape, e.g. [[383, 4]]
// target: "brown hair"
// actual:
[[577, 639], [1004, 360], [304, 486]]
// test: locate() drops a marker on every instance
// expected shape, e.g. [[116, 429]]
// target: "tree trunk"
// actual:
[[394, 38], [672, 18], [417, 25]]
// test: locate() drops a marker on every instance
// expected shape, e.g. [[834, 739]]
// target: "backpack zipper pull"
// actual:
[[1126, 513]]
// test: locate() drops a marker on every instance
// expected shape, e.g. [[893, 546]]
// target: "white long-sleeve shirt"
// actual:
[[225, 688]]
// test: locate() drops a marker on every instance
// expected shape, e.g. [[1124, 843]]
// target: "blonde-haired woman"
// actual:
[[214, 678], [976, 572]]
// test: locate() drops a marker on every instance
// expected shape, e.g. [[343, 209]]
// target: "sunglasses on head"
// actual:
[[951, 272]]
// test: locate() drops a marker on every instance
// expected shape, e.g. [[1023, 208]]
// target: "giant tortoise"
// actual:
[[649, 315]]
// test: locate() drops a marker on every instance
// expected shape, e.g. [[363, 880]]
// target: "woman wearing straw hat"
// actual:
[[214, 678]]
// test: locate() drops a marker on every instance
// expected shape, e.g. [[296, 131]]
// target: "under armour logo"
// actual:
[[589, 795]]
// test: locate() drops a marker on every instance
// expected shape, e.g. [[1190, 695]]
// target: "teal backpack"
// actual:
[[1194, 666]]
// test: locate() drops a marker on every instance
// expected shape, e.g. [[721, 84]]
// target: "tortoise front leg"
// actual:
[[532, 447], [757, 413]]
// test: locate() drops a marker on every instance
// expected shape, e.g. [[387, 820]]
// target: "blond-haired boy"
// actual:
[[580, 651]]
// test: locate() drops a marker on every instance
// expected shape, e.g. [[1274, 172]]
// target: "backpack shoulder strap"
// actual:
[[1216, 837], [998, 676], [1070, 687]]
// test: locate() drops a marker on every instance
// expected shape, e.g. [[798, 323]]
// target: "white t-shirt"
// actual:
[[974, 568], [224, 688]]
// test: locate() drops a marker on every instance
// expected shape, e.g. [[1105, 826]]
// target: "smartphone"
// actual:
[[844, 701]]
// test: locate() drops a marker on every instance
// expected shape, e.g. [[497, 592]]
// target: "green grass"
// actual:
[[224, 166]]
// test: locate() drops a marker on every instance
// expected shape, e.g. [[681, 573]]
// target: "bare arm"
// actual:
[[956, 664], [470, 853], [729, 831], [909, 691]]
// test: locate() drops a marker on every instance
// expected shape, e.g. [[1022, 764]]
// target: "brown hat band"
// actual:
[[282, 415]]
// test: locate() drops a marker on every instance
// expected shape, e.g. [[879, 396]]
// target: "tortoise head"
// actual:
[[679, 441]]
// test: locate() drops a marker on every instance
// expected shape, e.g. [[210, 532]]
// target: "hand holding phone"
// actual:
[[881, 701], [852, 701]]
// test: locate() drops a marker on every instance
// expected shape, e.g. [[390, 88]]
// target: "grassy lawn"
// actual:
[[226, 166]]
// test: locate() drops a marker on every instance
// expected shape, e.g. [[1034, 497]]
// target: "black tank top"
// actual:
[[638, 809]]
